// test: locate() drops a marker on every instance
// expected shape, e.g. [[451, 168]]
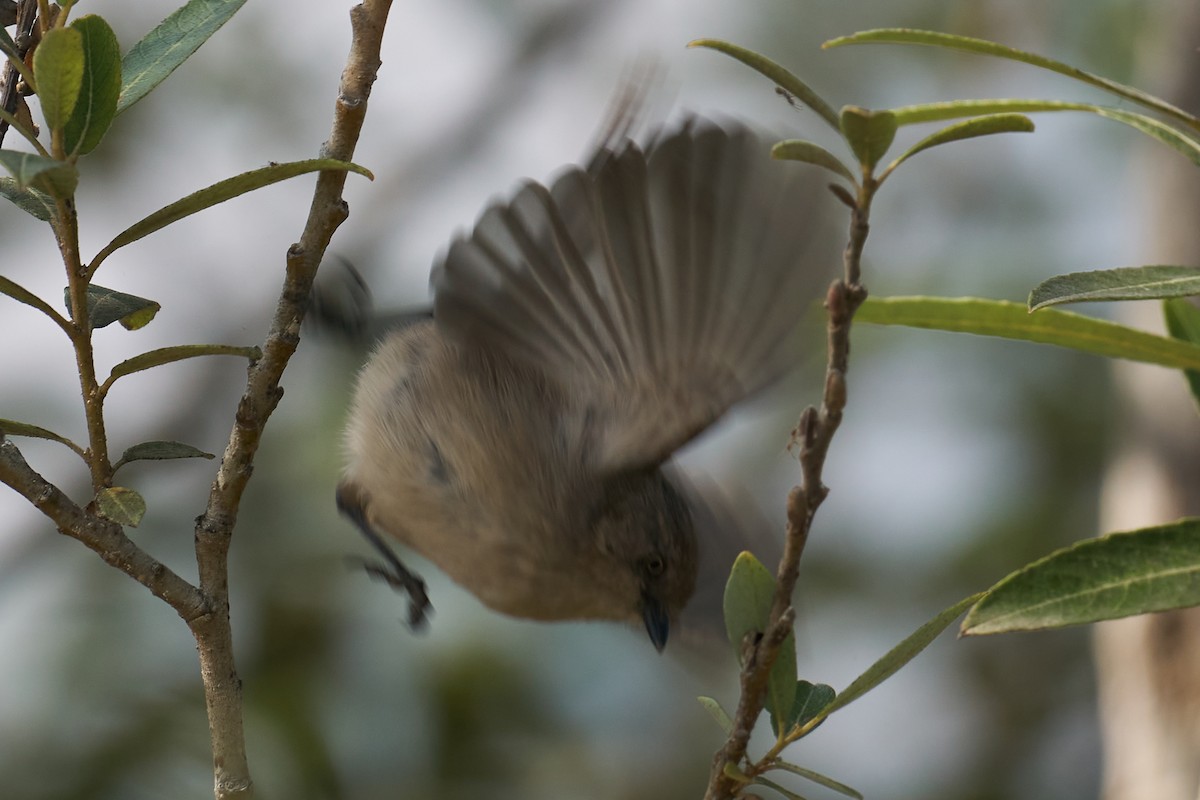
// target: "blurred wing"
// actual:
[[727, 521], [660, 286]]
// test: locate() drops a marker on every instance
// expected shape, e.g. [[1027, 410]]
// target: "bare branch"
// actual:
[[103, 536], [813, 435], [214, 529]]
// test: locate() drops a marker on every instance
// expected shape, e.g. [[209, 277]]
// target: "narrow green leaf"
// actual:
[[808, 152], [788, 793], [218, 193], [101, 85], [31, 201], [58, 70], [869, 133], [1049, 326], [23, 295], [816, 777], [55, 178], [121, 505], [782, 77], [159, 451], [10, 427], [1183, 322], [717, 712], [899, 655], [1123, 283], [1118, 575], [963, 109], [978, 126], [150, 61], [1178, 140], [1183, 143], [7, 46], [984, 47], [167, 355]]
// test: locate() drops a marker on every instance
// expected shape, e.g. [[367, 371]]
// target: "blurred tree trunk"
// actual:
[[1148, 668]]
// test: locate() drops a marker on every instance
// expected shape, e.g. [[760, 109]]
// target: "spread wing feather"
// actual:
[[659, 286]]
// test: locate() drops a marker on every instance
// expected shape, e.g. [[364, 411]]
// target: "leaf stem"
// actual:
[[66, 232]]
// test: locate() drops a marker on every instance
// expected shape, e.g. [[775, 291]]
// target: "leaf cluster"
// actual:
[[82, 83], [1117, 575]]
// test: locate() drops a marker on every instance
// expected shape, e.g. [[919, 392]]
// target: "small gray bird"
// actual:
[[581, 334]]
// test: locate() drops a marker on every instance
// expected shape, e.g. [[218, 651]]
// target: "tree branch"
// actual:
[[214, 529], [104, 537], [813, 434]]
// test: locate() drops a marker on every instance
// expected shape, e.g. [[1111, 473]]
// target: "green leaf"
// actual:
[[781, 687], [159, 451], [167, 355], [58, 70], [969, 129], [219, 193], [1123, 283], [121, 505], [782, 77], [899, 655], [7, 46], [869, 133], [816, 777], [719, 714], [1185, 144], [106, 306], [23, 295], [10, 427], [984, 47], [1183, 322], [788, 793], [963, 109], [31, 201], [1012, 321], [748, 597], [150, 61], [1178, 140], [808, 152], [749, 594], [55, 178], [101, 85], [810, 700], [1118, 575]]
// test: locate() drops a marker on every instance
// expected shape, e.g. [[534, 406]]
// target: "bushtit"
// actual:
[[581, 334]]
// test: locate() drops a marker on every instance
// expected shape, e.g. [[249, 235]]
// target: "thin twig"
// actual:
[[813, 434], [26, 16], [214, 529], [105, 537]]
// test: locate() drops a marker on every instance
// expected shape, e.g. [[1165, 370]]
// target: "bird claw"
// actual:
[[403, 580]]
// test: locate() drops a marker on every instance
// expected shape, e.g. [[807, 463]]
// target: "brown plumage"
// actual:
[[582, 333]]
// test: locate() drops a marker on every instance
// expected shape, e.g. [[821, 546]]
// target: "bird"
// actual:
[[520, 437]]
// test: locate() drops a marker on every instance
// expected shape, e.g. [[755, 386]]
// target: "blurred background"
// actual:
[[959, 460]]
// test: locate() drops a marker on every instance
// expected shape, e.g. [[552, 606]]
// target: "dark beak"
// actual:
[[658, 623]]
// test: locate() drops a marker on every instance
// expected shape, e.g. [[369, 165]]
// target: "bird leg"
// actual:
[[391, 570]]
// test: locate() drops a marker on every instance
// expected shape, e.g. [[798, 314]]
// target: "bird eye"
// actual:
[[655, 566]]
